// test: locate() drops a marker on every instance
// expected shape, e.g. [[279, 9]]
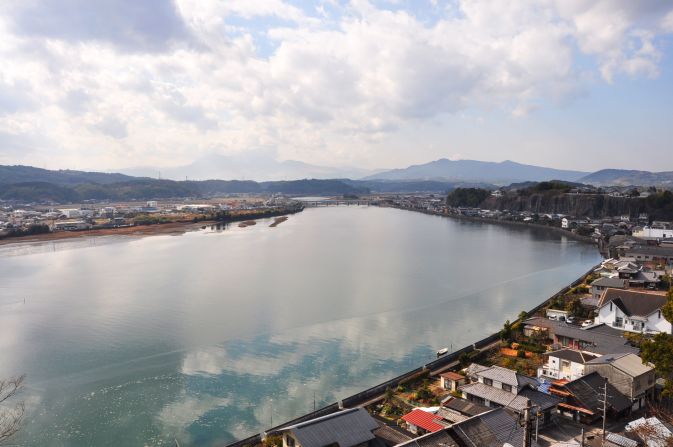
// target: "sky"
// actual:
[[112, 84]]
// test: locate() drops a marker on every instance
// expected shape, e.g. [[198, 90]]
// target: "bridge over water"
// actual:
[[338, 202]]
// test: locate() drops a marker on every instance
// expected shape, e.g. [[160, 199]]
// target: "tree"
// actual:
[[667, 309], [574, 306], [659, 350], [10, 417], [506, 332]]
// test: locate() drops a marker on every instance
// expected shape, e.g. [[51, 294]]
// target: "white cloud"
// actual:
[[169, 82]]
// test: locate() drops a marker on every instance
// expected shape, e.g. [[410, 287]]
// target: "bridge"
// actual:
[[337, 202]]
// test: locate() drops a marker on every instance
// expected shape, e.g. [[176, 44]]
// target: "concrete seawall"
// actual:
[[378, 391]]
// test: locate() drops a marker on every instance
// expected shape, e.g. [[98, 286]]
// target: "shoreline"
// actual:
[[170, 228], [510, 223]]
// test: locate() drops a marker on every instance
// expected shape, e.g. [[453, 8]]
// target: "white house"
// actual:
[[632, 311], [564, 364], [70, 212], [653, 233]]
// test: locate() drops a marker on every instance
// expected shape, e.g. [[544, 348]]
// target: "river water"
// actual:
[[217, 334]]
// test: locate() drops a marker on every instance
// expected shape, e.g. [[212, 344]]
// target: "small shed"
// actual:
[[450, 381]]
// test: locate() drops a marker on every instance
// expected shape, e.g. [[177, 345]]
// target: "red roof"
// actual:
[[423, 419]]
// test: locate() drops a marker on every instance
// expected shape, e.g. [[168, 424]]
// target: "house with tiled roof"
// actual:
[[633, 311], [348, 428], [597, 340], [495, 428], [496, 387], [602, 283], [582, 398], [627, 373], [420, 422]]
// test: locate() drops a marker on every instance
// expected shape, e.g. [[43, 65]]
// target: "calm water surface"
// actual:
[[212, 335]]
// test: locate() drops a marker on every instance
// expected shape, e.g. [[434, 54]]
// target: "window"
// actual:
[[619, 322], [488, 382], [507, 387], [289, 441], [659, 315], [611, 306]]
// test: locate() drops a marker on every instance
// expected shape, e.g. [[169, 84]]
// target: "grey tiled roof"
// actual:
[[504, 375], [492, 429], [500, 397], [346, 428], [465, 406], [588, 390], [617, 283], [539, 399], [620, 440], [440, 438]]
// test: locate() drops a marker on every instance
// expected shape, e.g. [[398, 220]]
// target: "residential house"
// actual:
[[496, 387], [597, 340], [600, 284], [495, 428], [564, 364], [628, 374], [450, 380], [420, 422], [348, 428], [455, 409], [632, 311], [653, 233], [651, 253], [583, 398]]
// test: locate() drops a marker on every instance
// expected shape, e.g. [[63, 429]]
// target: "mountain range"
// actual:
[[253, 165], [27, 183], [502, 173]]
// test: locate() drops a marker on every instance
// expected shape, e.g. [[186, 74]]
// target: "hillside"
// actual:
[[543, 199], [502, 173], [22, 174], [624, 177], [145, 189]]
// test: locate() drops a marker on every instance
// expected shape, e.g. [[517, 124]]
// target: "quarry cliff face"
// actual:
[[584, 205]]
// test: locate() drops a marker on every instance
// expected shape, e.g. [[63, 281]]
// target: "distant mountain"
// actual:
[[624, 177], [502, 173], [20, 174], [252, 165]]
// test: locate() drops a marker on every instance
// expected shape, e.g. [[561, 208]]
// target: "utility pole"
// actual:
[[605, 405], [582, 442], [526, 424]]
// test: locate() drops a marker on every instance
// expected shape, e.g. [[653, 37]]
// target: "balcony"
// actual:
[[545, 371]]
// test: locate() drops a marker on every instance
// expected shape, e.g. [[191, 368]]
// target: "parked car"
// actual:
[[587, 323], [570, 320]]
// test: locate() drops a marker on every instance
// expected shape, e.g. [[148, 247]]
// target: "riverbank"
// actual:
[[510, 223], [169, 228]]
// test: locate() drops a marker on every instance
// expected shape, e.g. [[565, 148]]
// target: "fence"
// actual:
[[378, 390]]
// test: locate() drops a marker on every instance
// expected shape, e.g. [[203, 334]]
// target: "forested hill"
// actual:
[[556, 200], [22, 174], [145, 189], [29, 184]]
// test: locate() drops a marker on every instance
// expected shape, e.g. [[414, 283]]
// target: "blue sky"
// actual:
[[113, 84]]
